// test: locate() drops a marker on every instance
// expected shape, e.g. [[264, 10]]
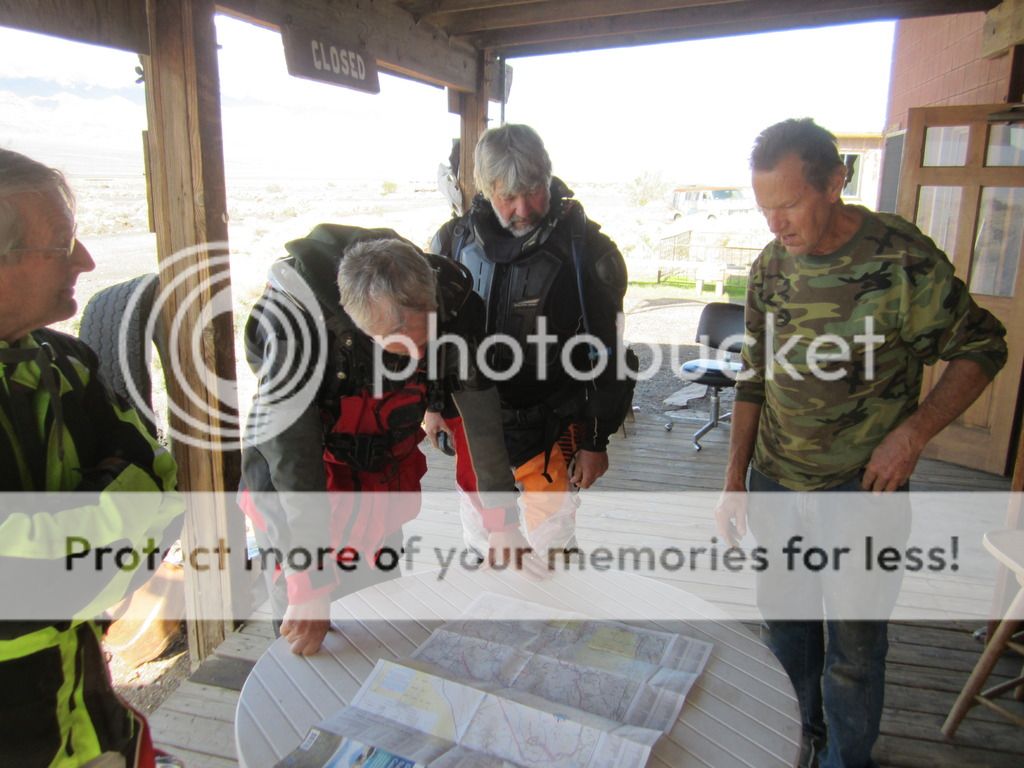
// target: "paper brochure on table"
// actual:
[[506, 688]]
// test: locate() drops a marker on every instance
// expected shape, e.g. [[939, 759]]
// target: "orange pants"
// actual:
[[547, 504]]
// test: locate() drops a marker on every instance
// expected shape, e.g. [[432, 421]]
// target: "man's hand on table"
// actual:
[[511, 546], [305, 625]]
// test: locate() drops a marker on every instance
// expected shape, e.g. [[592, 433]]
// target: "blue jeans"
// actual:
[[837, 668], [841, 689]]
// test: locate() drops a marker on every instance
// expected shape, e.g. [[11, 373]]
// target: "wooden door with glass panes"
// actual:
[[962, 183]]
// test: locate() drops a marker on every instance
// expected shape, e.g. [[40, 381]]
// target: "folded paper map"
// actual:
[[504, 690]]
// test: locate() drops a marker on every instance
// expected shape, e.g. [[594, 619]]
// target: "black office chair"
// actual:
[[720, 327]]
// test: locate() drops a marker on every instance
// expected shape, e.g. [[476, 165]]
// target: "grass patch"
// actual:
[[735, 286]]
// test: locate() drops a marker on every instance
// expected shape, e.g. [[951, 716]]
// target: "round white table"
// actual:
[[741, 712]]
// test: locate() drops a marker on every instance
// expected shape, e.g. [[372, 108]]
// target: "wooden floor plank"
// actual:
[[258, 628], [242, 646], [899, 752], [197, 759], [205, 700], [907, 699], [928, 661], [223, 672], [953, 660], [976, 734], [196, 733]]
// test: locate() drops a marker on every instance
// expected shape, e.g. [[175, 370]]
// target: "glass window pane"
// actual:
[[1005, 145], [852, 162], [946, 145], [938, 210], [998, 241]]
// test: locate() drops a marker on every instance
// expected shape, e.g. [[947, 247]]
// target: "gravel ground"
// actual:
[[661, 322], [147, 685]]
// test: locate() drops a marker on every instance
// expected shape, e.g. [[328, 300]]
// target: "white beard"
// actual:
[[518, 229]]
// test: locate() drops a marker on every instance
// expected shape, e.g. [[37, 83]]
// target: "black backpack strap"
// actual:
[[64, 348], [17, 405], [90, 411], [53, 351], [79, 411], [577, 236], [459, 234], [10, 477]]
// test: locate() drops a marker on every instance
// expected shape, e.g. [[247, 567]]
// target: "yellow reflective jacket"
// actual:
[[62, 430]]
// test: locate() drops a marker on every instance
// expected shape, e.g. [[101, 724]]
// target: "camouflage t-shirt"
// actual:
[[847, 336]]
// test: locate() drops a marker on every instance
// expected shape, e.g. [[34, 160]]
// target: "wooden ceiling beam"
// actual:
[[553, 12], [117, 24], [707, 21], [400, 44], [422, 8]]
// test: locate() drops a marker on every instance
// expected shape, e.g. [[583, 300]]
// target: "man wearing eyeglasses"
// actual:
[[41, 265], [60, 431]]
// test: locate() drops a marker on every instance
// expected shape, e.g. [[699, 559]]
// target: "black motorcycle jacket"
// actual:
[[535, 282]]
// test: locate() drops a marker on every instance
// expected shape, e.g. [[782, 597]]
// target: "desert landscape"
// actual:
[[265, 213]]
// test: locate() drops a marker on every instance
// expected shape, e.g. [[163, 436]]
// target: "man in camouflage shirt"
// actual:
[[844, 309]]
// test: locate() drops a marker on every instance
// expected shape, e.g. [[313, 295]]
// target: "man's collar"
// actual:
[[25, 342], [486, 221]]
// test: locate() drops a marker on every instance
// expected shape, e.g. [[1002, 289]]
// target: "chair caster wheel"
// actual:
[[668, 426], [696, 447]]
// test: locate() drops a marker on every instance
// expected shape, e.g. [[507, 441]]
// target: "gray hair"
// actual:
[[513, 155], [385, 276], [22, 175], [814, 145]]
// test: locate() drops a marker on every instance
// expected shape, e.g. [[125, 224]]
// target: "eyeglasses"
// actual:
[[66, 250]]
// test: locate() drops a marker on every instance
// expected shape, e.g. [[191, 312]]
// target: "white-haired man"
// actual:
[[542, 269], [61, 430], [359, 437]]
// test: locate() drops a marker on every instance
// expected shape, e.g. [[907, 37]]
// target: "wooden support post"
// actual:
[[1006, 583], [186, 156], [473, 122]]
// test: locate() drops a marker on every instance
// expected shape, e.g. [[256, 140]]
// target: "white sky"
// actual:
[[688, 111]]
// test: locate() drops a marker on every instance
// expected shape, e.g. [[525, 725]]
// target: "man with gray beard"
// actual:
[[553, 283]]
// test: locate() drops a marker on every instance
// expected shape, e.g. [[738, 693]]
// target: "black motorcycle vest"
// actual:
[[522, 280]]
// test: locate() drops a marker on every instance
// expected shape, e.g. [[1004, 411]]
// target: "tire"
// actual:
[[102, 320]]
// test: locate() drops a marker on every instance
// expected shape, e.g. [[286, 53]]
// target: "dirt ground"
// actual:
[[661, 322], [146, 686]]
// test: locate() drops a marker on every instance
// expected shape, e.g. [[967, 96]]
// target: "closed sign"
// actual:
[[328, 59]]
